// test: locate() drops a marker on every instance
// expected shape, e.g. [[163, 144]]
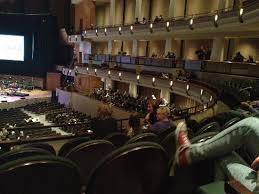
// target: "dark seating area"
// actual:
[[116, 163]]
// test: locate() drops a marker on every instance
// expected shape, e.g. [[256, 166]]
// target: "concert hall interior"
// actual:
[[129, 96]]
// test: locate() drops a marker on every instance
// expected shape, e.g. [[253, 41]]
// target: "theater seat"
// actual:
[[169, 145], [40, 145], [41, 175], [88, 154], [211, 127], [139, 168], [117, 139], [212, 188], [203, 137], [72, 144], [21, 153], [231, 122], [149, 137]]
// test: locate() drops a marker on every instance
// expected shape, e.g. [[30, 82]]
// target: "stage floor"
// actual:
[[34, 94]]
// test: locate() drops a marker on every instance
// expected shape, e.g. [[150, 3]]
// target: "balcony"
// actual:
[[228, 23]]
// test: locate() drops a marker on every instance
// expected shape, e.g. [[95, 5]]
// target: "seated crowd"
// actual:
[[217, 138]]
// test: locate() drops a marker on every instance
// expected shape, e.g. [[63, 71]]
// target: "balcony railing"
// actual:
[[173, 22]]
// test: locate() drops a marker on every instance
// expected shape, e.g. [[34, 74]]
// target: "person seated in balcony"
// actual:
[[137, 21], [170, 55], [134, 126], [156, 19], [238, 57], [144, 21], [201, 53], [154, 55], [163, 123], [103, 124], [250, 59], [92, 27], [161, 18], [221, 147], [150, 118]]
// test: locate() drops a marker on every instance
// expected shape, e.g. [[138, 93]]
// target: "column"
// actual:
[[112, 12], [165, 93], [109, 47], [168, 45], [138, 9], [135, 48], [171, 11], [108, 84], [222, 4], [217, 53], [133, 90]]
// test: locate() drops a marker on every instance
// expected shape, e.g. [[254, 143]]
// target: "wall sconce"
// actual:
[[105, 31], [201, 92], [168, 26], [211, 98], [109, 73], [216, 17], [95, 71], [191, 24], [153, 81], [131, 29], [120, 75], [138, 78], [151, 28], [87, 69], [96, 32], [119, 30], [171, 84], [240, 16], [187, 88]]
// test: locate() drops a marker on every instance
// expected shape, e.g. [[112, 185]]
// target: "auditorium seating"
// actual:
[[40, 174], [117, 139], [40, 145], [135, 168], [143, 137], [87, 155]]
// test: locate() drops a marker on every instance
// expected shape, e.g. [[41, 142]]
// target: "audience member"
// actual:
[[238, 57], [154, 55], [144, 21], [250, 59], [134, 126], [221, 147], [156, 19], [137, 21], [163, 123], [104, 112], [201, 53], [150, 118], [207, 53], [161, 18]]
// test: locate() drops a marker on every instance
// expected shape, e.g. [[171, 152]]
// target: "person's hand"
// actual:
[[255, 164]]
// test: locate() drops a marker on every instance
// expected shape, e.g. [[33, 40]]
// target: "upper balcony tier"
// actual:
[[227, 23]]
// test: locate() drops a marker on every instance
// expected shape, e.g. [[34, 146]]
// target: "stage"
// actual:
[[7, 102]]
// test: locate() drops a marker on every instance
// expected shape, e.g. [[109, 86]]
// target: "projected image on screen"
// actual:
[[11, 47]]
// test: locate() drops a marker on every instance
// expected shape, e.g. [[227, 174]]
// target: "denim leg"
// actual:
[[234, 167], [245, 132]]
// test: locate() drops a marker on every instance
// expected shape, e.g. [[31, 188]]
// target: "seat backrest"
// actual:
[[169, 145], [149, 137], [139, 168], [165, 133], [203, 137], [41, 175], [72, 144], [88, 154], [211, 127], [21, 153], [117, 139], [230, 122], [41, 145]]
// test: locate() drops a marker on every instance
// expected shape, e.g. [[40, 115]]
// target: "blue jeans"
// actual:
[[245, 132]]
